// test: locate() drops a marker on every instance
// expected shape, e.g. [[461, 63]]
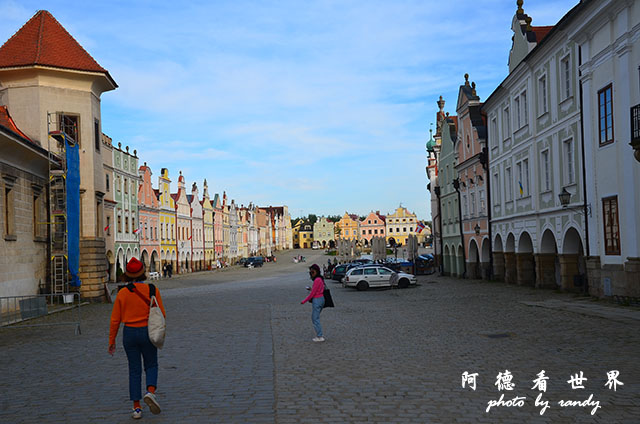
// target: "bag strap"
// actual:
[[132, 287]]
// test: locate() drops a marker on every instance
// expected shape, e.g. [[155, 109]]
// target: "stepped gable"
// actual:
[[43, 41]]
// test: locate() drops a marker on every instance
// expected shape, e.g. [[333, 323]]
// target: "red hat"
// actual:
[[135, 268]]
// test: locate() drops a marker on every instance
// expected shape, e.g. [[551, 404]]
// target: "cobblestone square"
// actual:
[[239, 350]]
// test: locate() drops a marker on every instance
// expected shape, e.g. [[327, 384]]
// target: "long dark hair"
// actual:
[[316, 268]]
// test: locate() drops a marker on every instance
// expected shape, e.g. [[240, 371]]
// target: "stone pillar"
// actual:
[[632, 271], [498, 266], [568, 269], [526, 269], [593, 276], [93, 269], [472, 271], [485, 270], [546, 271], [510, 268]]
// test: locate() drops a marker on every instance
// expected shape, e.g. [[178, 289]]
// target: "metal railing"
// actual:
[[40, 310]]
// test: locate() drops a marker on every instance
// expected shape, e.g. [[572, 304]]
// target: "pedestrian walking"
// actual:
[[132, 308], [316, 296]]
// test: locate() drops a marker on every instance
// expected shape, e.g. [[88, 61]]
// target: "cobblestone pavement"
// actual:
[[239, 350]]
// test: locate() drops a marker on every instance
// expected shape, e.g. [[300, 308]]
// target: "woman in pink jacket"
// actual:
[[316, 296]]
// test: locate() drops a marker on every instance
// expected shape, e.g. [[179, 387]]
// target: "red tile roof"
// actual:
[[43, 41], [541, 32], [7, 122]]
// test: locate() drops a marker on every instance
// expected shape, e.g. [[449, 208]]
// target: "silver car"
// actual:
[[377, 276]]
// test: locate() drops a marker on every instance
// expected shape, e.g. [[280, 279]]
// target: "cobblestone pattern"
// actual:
[[239, 350]]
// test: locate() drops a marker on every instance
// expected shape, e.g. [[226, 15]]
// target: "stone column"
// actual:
[[93, 269], [510, 268], [485, 270], [526, 269], [593, 276], [472, 272], [546, 271], [498, 266], [632, 271], [568, 269]]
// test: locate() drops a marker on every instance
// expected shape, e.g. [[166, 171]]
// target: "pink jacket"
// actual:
[[317, 290]]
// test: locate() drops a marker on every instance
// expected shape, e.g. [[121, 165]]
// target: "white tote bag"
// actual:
[[156, 326]]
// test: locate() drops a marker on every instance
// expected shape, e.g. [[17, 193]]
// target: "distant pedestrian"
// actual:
[[316, 296], [132, 308]]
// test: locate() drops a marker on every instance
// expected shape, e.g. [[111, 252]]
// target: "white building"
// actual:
[[533, 120], [607, 34]]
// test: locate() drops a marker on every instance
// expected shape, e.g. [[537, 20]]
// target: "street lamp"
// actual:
[[477, 229], [565, 198]]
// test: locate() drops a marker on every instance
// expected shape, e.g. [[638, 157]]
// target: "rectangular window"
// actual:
[[605, 115], [107, 181], [568, 155], [126, 186], [525, 108], [565, 75], [9, 224], [465, 205], [96, 133], [391, 230], [494, 132], [526, 176], [520, 182], [482, 202], [119, 229], [108, 225], [496, 184], [473, 204], [611, 227], [518, 112], [546, 177], [508, 184], [506, 123], [69, 125], [542, 94], [126, 224]]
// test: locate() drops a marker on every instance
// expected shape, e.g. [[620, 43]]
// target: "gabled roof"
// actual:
[[157, 192], [43, 41], [7, 122], [541, 32]]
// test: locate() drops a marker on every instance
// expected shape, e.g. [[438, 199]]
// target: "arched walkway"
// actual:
[[155, 265], [498, 258], [473, 261], [460, 261], [547, 262], [485, 263], [111, 274], [510, 267], [572, 267], [145, 261], [525, 264], [446, 261]]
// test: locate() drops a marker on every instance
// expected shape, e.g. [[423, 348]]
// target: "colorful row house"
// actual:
[[531, 184], [373, 225]]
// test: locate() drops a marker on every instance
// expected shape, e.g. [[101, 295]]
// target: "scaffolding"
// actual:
[[58, 234]]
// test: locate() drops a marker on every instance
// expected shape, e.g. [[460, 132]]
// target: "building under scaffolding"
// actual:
[[64, 205]]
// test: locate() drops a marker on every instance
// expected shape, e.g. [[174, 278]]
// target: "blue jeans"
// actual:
[[318, 304], [138, 346]]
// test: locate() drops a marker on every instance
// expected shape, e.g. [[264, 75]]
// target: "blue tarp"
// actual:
[[73, 212]]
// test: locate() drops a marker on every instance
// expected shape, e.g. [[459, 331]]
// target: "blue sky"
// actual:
[[321, 105]]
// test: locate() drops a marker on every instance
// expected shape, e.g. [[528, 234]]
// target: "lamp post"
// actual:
[[565, 198], [477, 229]]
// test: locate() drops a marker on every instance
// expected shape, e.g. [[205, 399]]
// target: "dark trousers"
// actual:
[[138, 347]]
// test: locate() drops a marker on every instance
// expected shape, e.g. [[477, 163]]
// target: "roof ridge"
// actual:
[[40, 32]]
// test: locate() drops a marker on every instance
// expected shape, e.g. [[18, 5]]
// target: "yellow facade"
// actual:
[[400, 225], [167, 218], [349, 226]]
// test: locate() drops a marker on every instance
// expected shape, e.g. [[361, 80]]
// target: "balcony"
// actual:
[[635, 130]]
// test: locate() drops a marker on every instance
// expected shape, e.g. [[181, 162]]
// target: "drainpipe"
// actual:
[[456, 185], [484, 161], [436, 190], [584, 171]]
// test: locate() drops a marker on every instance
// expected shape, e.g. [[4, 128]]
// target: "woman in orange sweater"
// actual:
[[132, 308]]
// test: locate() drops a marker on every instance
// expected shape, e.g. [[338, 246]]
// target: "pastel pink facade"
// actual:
[[473, 178], [373, 225], [148, 211], [218, 219]]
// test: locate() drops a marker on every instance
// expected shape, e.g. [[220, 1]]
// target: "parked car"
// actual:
[[254, 261], [242, 261], [339, 271], [377, 276]]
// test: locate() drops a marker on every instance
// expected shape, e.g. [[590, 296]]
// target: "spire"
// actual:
[[441, 104], [520, 10], [466, 79]]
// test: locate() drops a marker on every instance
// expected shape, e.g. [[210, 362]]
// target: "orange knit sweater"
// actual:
[[130, 309]]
